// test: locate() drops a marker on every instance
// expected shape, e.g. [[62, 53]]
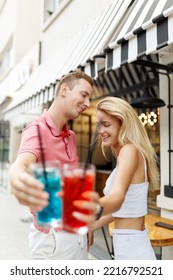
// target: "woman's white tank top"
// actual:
[[135, 203]]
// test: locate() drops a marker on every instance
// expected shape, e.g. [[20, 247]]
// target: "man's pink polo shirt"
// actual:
[[57, 145]]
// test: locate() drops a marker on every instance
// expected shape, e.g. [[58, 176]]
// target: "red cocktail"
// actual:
[[77, 180]]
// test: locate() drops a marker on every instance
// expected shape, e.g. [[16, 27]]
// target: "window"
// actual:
[[4, 152], [4, 140], [6, 60], [50, 6]]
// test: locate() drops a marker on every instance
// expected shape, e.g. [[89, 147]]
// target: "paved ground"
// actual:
[[14, 228], [15, 221]]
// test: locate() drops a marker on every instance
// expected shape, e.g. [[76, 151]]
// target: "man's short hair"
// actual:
[[71, 78]]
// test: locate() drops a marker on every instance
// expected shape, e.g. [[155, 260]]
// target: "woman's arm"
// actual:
[[127, 163], [127, 166], [104, 220]]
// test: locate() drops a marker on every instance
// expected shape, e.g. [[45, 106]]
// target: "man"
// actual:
[[73, 95]]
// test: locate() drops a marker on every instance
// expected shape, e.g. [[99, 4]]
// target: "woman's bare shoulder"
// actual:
[[129, 149]]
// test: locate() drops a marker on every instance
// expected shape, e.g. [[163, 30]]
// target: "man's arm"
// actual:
[[29, 191], [25, 187]]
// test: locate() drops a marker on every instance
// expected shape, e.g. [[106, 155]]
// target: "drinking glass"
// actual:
[[50, 175], [77, 178]]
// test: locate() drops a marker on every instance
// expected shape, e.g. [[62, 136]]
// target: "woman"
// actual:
[[126, 190]]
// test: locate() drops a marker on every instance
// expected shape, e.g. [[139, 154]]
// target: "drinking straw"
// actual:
[[90, 151], [42, 156], [91, 148]]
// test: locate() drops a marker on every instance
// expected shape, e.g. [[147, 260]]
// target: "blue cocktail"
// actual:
[[51, 215]]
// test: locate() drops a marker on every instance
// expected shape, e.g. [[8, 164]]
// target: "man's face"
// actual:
[[78, 98]]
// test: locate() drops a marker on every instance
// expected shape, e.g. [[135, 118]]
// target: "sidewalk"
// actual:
[[14, 228], [15, 221]]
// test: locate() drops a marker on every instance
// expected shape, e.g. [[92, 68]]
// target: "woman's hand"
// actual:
[[90, 237], [90, 202]]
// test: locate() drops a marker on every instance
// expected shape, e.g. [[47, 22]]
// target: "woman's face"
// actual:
[[108, 128]]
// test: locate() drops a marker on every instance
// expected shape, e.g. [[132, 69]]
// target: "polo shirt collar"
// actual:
[[65, 131]]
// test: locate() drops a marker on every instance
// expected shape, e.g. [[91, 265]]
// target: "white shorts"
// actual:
[[59, 245], [132, 245]]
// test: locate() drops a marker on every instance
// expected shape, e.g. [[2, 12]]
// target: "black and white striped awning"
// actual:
[[129, 29], [80, 52], [146, 28]]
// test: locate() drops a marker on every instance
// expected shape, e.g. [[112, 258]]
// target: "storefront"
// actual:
[[125, 49]]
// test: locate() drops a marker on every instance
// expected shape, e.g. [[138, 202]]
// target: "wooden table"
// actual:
[[159, 236]]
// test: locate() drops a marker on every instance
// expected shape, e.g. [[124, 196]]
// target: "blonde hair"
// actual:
[[132, 132]]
